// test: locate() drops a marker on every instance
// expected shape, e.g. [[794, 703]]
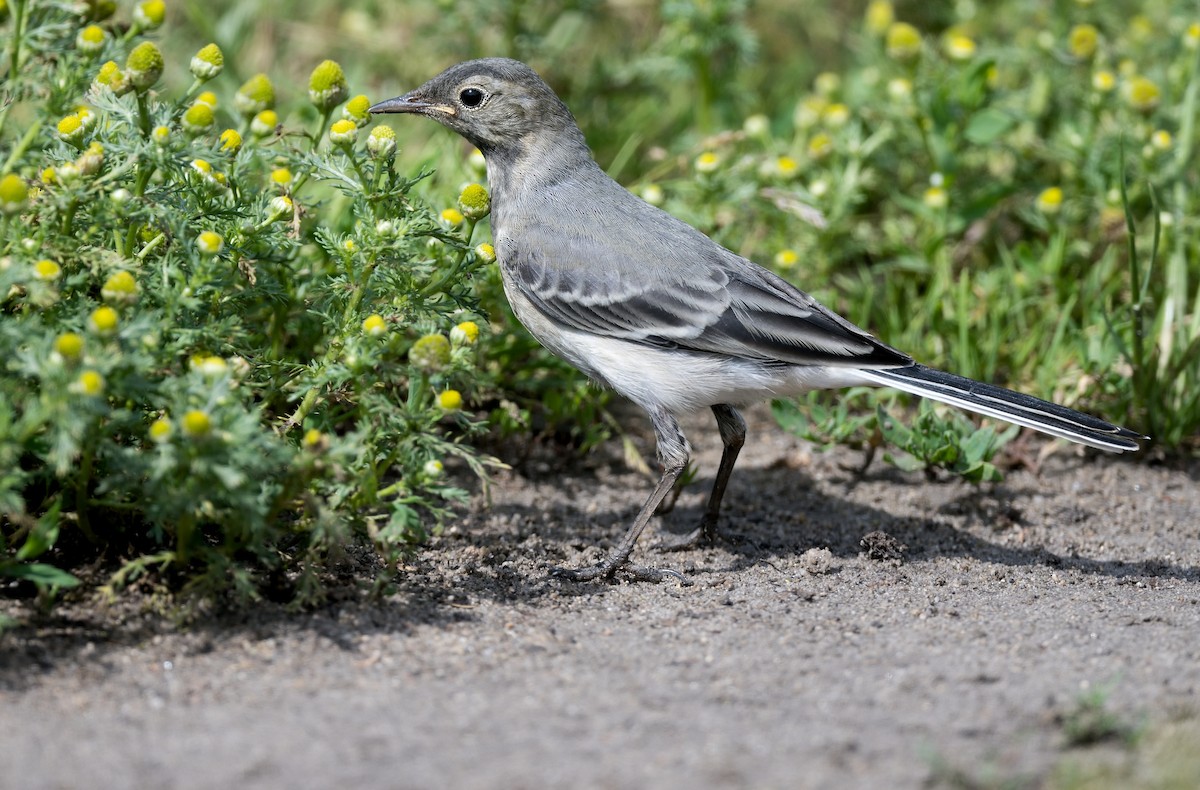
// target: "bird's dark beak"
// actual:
[[410, 103]]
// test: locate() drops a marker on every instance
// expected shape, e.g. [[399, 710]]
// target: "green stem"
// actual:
[[14, 62], [321, 127], [22, 145], [143, 114]]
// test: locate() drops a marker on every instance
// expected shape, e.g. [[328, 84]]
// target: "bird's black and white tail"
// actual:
[[1014, 407]]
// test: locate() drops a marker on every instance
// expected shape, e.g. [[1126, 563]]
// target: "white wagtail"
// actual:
[[651, 307]]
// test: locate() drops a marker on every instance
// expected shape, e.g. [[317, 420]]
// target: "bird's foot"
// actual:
[[609, 568]]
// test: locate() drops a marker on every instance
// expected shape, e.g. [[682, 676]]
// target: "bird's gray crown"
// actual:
[[500, 105]]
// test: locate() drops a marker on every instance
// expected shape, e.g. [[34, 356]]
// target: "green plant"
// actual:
[[231, 343]]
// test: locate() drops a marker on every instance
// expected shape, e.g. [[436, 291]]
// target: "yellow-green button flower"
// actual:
[[90, 383], [1143, 94], [486, 253], [209, 98], [120, 287], [280, 207], [381, 143], [231, 140], [356, 110], [430, 353], [879, 17], [1104, 81], [264, 123], [787, 258], [820, 145], [207, 63], [1161, 140], [70, 129], [103, 320], [450, 400], [91, 160], [313, 438], [452, 217], [281, 177], [196, 424], [46, 270], [374, 325], [1050, 200], [255, 95], [161, 134], [327, 86], [433, 468], [707, 162], [160, 430], [1082, 41], [14, 194], [464, 334], [935, 197], [342, 133], [903, 42], [198, 119], [474, 201], [111, 77], [69, 346], [144, 66], [210, 243], [959, 46], [209, 366], [91, 39], [149, 15]]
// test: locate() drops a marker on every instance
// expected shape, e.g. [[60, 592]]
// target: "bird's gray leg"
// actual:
[[673, 454], [733, 436]]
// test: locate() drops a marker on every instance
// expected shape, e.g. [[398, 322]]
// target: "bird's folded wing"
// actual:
[[714, 302]]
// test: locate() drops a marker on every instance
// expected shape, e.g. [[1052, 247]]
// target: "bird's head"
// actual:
[[498, 104]]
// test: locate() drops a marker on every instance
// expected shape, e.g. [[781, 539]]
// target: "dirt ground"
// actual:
[[968, 660]]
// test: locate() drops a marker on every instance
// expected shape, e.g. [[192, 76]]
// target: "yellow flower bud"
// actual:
[[149, 15], [1049, 201], [707, 162], [450, 400], [160, 430], [486, 253], [474, 201], [356, 110], [46, 270], [787, 259], [90, 383], [196, 424], [464, 334], [208, 62], [903, 42], [70, 129], [1143, 94], [879, 17], [198, 119], [231, 140], [452, 217], [381, 143], [14, 194], [327, 86], [91, 39], [264, 123], [69, 346], [1082, 41], [120, 287], [430, 353], [255, 95], [343, 133], [374, 325], [144, 65], [103, 320], [210, 243]]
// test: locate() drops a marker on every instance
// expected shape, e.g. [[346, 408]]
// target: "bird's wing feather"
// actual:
[[694, 295]]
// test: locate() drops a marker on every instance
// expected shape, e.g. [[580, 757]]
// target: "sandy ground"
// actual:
[[966, 660]]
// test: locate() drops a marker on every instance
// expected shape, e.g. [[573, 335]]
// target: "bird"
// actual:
[[651, 307]]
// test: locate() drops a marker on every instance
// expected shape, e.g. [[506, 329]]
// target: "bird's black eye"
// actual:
[[471, 97]]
